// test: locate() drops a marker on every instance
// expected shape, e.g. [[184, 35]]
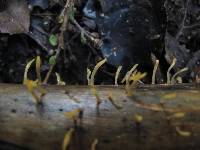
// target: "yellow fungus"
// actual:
[[59, 81], [74, 114], [94, 144], [26, 70], [179, 79], [169, 69], [138, 118], [38, 68], [169, 96], [117, 74], [98, 65], [183, 133], [175, 75], [67, 139], [91, 79], [154, 71], [127, 79], [88, 75], [138, 76], [128, 74], [135, 77], [94, 92], [30, 84], [110, 98], [177, 115]]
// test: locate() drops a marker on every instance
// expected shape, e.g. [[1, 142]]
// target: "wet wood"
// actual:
[[24, 125]]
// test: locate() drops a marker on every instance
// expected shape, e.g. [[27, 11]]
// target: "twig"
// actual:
[[97, 42], [65, 15]]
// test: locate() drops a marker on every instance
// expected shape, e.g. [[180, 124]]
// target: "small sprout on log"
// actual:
[[94, 144], [52, 60], [110, 98], [154, 71], [94, 92], [183, 133], [169, 96], [135, 77], [169, 69], [138, 118], [179, 79], [31, 85], [88, 75], [74, 114], [179, 72], [91, 79], [117, 74], [127, 79], [177, 115], [38, 68], [53, 40], [96, 68], [59, 81], [27, 69], [128, 74], [67, 139], [138, 76]]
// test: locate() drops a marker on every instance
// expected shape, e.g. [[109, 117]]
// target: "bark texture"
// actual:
[[24, 125]]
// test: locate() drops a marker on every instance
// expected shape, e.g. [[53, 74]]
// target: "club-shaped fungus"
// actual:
[[177, 115], [88, 75], [32, 85], [169, 69], [67, 139], [176, 74], [154, 71], [38, 68], [94, 144], [183, 133], [74, 114], [117, 74], [129, 73], [169, 96], [59, 81], [138, 118], [27, 69], [96, 68], [135, 77], [91, 79], [110, 98]]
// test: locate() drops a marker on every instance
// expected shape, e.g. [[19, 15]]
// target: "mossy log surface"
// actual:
[[26, 126]]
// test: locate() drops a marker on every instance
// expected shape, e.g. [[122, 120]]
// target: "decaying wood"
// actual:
[[24, 125]]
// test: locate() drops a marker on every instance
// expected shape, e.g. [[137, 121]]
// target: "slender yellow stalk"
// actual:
[[176, 74], [88, 76], [154, 71], [129, 73], [26, 70], [117, 74], [98, 65], [67, 139], [38, 69], [170, 68], [59, 81], [94, 144]]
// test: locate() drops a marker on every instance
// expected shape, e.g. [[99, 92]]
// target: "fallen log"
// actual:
[[25, 125]]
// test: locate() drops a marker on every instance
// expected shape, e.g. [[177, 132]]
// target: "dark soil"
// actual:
[[132, 32]]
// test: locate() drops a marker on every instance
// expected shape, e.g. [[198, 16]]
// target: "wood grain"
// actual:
[[24, 125]]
